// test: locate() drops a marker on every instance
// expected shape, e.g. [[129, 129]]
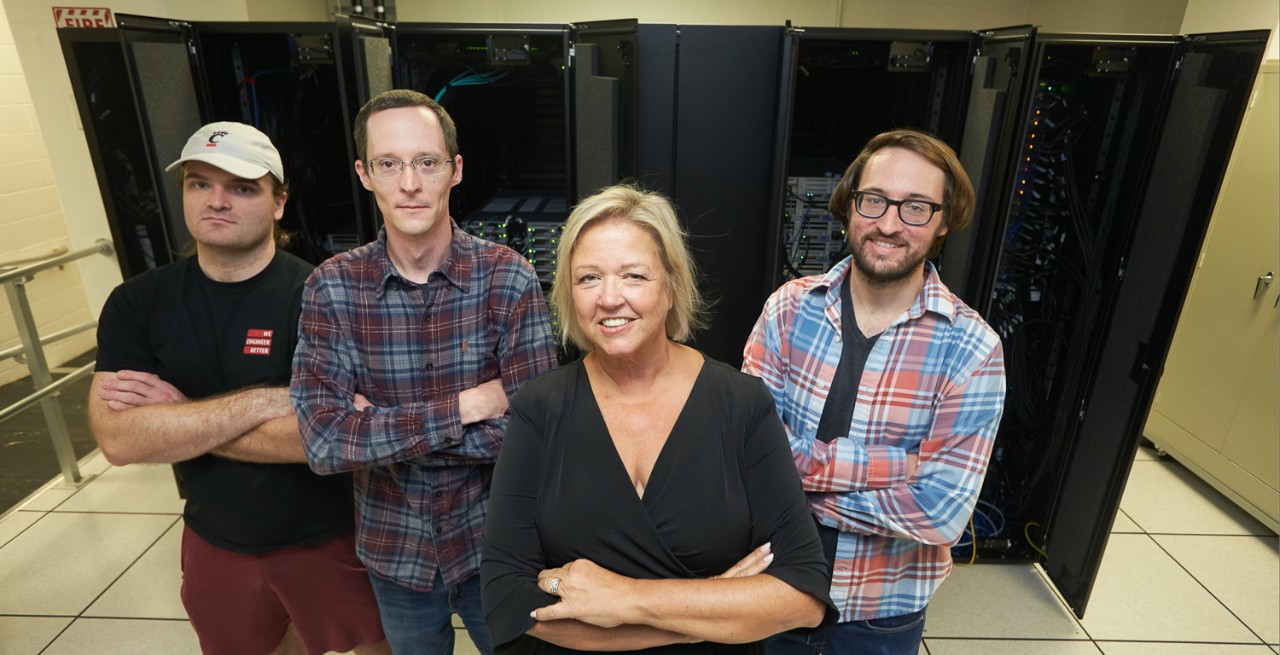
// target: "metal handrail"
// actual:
[[101, 246], [49, 338], [14, 263], [14, 280], [57, 386]]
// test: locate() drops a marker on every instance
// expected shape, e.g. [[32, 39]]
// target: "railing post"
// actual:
[[39, 367]]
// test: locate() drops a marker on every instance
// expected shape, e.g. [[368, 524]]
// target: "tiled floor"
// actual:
[[95, 570]]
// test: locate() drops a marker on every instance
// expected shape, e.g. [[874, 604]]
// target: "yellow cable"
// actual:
[[1026, 532]]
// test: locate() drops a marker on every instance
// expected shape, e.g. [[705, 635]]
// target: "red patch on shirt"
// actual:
[[258, 342]]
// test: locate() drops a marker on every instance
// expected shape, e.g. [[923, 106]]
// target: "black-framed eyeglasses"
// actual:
[[911, 211], [392, 167]]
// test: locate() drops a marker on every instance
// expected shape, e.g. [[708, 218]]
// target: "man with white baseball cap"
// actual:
[[193, 369]]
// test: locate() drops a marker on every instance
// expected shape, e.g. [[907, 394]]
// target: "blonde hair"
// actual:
[[653, 213]]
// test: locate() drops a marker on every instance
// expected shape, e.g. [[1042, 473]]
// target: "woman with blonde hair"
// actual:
[[645, 496]]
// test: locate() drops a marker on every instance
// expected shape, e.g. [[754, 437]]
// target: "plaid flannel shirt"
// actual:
[[421, 477], [933, 384]]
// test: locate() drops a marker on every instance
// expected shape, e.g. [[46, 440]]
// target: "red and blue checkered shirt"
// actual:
[[933, 384], [421, 477]]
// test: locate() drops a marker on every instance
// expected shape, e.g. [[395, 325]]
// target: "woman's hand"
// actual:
[[588, 593], [754, 563]]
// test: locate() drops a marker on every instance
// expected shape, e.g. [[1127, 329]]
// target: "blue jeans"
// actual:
[[421, 622], [891, 635]]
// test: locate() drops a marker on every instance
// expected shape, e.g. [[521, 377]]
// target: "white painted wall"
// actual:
[[31, 217]]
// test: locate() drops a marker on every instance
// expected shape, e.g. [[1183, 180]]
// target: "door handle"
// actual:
[[1264, 281]]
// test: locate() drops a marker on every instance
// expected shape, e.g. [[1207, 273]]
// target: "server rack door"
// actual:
[[1142, 288], [122, 161], [365, 50], [997, 77], [839, 88], [604, 76], [157, 53]]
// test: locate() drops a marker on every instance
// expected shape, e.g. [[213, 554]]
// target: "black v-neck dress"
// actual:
[[723, 484]]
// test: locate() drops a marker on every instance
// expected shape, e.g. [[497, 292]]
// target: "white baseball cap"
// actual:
[[236, 148]]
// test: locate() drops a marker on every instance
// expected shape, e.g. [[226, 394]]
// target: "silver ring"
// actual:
[[554, 589]]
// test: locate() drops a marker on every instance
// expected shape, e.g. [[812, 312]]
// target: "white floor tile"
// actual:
[[13, 524], [48, 499], [1009, 647], [1142, 594], [1125, 524], [151, 588], [126, 637], [145, 488], [1242, 572], [1167, 648], [28, 635], [1163, 497], [94, 464], [61, 564], [999, 600]]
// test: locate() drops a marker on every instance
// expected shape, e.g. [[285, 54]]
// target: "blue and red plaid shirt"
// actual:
[[933, 384], [421, 477]]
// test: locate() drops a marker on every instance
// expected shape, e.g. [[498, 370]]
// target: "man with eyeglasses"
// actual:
[[891, 390], [408, 349]]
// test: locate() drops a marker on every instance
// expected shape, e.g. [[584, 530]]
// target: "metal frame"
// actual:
[[32, 352]]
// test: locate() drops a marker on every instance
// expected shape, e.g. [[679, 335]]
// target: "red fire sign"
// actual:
[[83, 17]]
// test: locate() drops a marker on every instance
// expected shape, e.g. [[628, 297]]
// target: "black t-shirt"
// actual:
[[206, 338]]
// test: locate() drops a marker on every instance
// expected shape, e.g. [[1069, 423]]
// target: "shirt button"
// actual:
[[837, 337], [439, 494], [430, 366], [439, 529]]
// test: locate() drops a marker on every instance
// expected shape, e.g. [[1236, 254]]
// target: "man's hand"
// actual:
[[361, 403], [483, 402], [130, 389], [913, 465]]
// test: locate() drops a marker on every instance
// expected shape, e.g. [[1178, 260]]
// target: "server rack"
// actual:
[[301, 84], [840, 87], [1122, 145], [544, 114], [145, 86]]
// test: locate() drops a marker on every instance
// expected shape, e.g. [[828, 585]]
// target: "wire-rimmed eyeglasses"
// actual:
[[392, 167]]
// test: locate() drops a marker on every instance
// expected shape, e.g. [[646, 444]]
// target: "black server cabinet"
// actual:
[[145, 86], [1122, 146], [545, 116], [706, 116]]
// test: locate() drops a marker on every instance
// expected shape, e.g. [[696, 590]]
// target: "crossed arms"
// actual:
[[138, 417]]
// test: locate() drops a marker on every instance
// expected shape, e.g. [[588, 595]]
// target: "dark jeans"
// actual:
[[892, 635], [421, 622]]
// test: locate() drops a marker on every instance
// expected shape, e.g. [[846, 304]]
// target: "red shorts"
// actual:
[[240, 603]]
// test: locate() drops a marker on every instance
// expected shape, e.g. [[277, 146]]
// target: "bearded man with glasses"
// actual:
[[408, 350], [891, 390]]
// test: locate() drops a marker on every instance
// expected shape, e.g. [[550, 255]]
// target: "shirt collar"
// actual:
[[934, 295], [456, 268]]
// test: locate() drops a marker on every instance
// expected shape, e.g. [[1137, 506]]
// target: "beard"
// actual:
[[887, 273]]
